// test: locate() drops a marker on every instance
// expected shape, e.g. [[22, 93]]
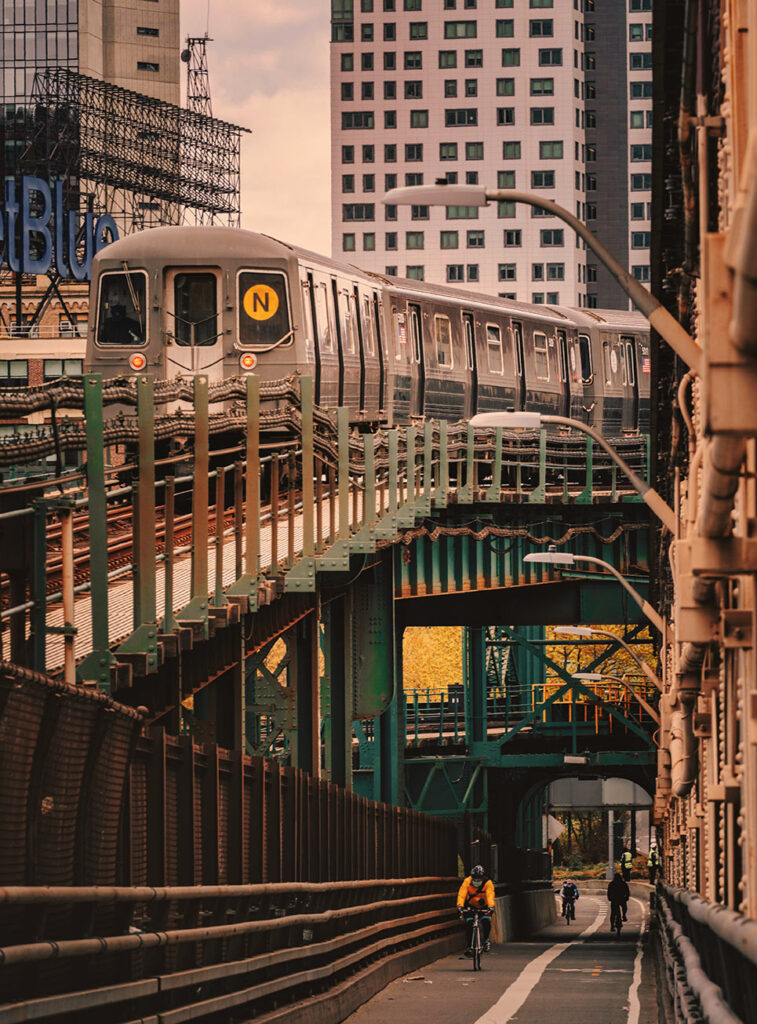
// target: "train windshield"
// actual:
[[121, 312], [195, 301], [264, 320]]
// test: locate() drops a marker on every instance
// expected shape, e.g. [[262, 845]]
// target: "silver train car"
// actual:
[[177, 301]]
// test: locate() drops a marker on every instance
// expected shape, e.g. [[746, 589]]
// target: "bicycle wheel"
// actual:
[[476, 947]]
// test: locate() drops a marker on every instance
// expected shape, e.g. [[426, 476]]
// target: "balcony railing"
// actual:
[[66, 329]]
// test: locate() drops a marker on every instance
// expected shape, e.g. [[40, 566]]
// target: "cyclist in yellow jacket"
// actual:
[[476, 893]]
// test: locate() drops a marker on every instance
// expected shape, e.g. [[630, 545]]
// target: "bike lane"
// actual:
[[572, 974]]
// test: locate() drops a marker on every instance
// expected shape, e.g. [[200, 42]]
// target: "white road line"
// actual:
[[634, 1006], [518, 992]]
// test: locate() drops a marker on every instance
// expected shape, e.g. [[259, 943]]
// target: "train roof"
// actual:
[[199, 242]]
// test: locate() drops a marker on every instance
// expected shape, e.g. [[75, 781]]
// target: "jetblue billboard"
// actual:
[[37, 233]]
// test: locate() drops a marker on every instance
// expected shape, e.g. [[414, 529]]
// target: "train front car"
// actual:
[[180, 301]]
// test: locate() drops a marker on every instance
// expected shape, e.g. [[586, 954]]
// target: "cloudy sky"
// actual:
[[269, 71]]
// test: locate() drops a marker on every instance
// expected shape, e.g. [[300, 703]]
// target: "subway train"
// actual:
[[221, 301]]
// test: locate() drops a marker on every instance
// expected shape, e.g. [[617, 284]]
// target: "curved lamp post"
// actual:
[[568, 560], [534, 420], [589, 631], [476, 195]]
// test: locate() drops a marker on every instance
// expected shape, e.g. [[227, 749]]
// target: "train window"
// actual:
[[400, 352], [443, 335], [518, 349], [630, 360], [324, 326], [415, 327], [369, 327], [264, 309], [469, 341], [610, 362], [348, 315], [620, 358], [494, 348], [541, 356], [584, 348], [121, 318], [195, 306]]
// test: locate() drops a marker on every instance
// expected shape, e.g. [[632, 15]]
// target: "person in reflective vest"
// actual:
[[653, 865], [626, 862], [476, 893]]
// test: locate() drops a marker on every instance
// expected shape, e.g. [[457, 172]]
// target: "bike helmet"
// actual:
[[477, 872]]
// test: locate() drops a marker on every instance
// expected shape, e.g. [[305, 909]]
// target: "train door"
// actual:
[[312, 348], [417, 373], [381, 353], [469, 339], [631, 397], [587, 378], [562, 347], [519, 360], [193, 330], [349, 348], [370, 357]]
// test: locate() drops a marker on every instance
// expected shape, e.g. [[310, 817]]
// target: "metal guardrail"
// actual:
[[710, 958], [212, 953], [68, 329]]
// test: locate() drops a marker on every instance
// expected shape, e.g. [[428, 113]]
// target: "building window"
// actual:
[[357, 119], [555, 271], [413, 152], [414, 273], [366, 33], [505, 28], [511, 58], [641, 182], [369, 183], [390, 32], [591, 182], [413, 90], [538, 300], [450, 88], [591, 119], [348, 243], [553, 298], [640, 62], [550, 150], [448, 58], [591, 33], [639, 5], [448, 240], [14, 373], [641, 239], [390, 271], [540, 3], [390, 119], [147, 65], [366, 91], [471, 271], [641, 273], [419, 119], [503, 3], [552, 236], [413, 239], [542, 87], [348, 154], [343, 33], [390, 240], [637, 211], [635, 33], [591, 90], [471, 87], [512, 238], [419, 212], [449, 5], [448, 151], [390, 154], [542, 179], [542, 115], [511, 150], [505, 87], [390, 182], [414, 179], [474, 151], [368, 154], [590, 154], [390, 61], [506, 209], [590, 61], [537, 271], [390, 211], [358, 211], [641, 90], [142, 30], [541, 27], [348, 62], [475, 240], [641, 152], [459, 29], [474, 58], [366, 62], [348, 92], [348, 183], [507, 271], [413, 60], [419, 30], [505, 115], [369, 241], [462, 212], [459, 118], [637, 119], [550, 58], [366, 6], [455, 272], [505, 179]]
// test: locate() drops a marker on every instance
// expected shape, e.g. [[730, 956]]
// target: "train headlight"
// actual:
[[137, 361], [248, 361]]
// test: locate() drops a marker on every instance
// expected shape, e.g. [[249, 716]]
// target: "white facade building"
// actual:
[[501, 93]]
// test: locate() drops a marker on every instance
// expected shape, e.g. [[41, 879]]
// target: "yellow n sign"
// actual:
[[260, 302]]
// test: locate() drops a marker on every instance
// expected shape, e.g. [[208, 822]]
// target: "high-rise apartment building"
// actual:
[[546, 96]]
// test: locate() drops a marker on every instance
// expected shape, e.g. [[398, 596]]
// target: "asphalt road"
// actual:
[[568, 974]]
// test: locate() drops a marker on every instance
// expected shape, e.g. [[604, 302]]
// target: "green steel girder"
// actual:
[[271, 700], [447, 786]]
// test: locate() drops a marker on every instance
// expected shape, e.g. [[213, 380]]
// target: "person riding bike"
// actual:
[[568, 892], [476, 893], [617, 894], [653, 865], [626, 863]]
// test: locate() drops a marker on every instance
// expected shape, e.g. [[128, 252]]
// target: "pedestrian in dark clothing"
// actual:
[[618, 893]]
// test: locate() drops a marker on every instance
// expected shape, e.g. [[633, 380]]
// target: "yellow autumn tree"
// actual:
[[432, 657]]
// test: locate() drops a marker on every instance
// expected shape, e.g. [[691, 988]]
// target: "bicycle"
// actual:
[[568, 909], [616, 918], [476, 942]]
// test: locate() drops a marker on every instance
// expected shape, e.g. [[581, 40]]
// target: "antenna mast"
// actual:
[[198, 81]]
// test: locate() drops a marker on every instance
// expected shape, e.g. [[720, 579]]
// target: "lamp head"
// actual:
[[509, 420], [574, 631], [550, 558]]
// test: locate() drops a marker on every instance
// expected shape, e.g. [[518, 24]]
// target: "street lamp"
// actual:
[[598, 677], [476, 195], [568, 560], [534, 420], [588, 631]]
